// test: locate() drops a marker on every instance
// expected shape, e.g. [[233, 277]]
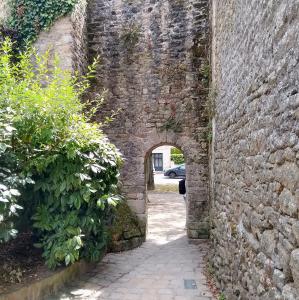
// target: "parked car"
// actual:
[[178, 171]]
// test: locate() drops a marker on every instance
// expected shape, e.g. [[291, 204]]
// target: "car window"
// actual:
[[182, 167]]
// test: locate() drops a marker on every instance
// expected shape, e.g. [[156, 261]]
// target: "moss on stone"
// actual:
[[126, 226]]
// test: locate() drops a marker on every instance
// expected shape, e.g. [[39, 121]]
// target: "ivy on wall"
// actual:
[[29, 17]]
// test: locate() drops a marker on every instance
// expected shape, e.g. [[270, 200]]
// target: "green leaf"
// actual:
[[101, 204], [3, 187], [77, 202], [10, 128], [14, 192], [67, 260], [5, 200], [112, 201]]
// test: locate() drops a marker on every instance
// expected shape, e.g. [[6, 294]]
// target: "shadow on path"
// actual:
[[156, 270]]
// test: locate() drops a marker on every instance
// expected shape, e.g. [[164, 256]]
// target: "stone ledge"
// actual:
[[48, 285]]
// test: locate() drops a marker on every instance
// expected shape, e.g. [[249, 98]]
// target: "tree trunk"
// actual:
[[149, 174]]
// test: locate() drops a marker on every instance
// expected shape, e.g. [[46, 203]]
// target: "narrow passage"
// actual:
[[158, 270]]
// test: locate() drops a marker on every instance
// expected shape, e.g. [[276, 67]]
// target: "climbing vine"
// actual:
[[29, 17]]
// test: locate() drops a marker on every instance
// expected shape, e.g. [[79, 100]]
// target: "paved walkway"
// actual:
[[156, 270]]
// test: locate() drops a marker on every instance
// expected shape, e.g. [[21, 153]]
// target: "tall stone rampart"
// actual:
[[255, 164]]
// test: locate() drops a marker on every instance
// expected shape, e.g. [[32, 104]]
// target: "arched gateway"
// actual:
[[154, 67]]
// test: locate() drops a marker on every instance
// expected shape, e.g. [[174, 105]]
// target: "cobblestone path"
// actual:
[[156, 270]]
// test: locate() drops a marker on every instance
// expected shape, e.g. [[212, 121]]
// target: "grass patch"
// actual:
[[167, 188]]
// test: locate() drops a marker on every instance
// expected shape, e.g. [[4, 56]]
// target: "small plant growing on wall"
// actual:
[[222, 297], [204, 74], [173, 124], [173, 70], [130, 36]]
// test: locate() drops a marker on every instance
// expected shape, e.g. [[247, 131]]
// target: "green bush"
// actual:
[[9, 180], [73, 165], [175, 151], [177, 156], [178, 159]]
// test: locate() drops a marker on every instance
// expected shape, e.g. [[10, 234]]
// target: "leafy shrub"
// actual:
[[73, 165], [29, 17], [175, 150], [177, 156], [8, 179], [178, 159]]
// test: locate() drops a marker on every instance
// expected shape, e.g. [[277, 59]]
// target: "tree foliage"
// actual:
[[178, 159], [48, 135], [175, 150], [177, 156]]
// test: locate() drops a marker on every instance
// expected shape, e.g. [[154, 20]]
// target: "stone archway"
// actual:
[[135, 151], [154, 67], [196, 185]]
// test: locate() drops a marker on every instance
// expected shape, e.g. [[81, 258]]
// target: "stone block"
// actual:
[[290, 292], [272, 294], [294, 265], [252, 241], [279, 279], [295, 229], [284, 260], [138, 206], [288, 203]]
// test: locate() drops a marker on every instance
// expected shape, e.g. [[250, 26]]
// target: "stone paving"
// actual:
[[156, 270]]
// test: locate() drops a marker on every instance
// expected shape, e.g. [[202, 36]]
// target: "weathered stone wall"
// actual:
[[154, 66], [256, 161], [4, 11], [67, 38], [79, 36]]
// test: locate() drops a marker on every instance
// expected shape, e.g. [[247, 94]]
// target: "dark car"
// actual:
[[176, 172]]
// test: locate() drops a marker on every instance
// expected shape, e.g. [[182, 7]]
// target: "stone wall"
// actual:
[[154, 67], [255, 165], [4, 11], [67, 38]]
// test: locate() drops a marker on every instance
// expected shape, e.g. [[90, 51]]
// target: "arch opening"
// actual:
[[164, 171], [164, 166]]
